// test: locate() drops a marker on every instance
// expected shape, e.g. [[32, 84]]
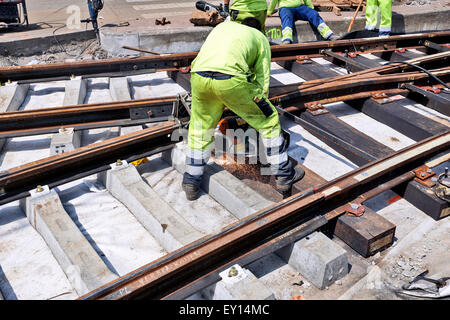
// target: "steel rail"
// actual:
[[88, 116], [47, 171], [342, 90], [285, 237], [80, 117], [124, 66], [185, 265]]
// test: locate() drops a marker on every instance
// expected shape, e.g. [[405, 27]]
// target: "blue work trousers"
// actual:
[[290, 15]]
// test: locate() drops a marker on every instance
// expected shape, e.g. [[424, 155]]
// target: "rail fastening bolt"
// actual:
[[39, 188], [119, 163], [233, 272]]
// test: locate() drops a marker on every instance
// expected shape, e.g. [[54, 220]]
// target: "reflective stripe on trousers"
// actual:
[[385, 8]]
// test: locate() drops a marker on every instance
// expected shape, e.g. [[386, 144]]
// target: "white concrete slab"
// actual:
[[121, 241], [371, 127], [18, 151], [205, 213], [153, 85], [315, 154], [170, 228], [279, 73], [98, 91], [28, 269]]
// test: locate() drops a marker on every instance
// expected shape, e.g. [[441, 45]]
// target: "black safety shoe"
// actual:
[[284, 184]]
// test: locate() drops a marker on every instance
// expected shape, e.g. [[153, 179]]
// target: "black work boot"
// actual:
[[284, 184], [191, 186]]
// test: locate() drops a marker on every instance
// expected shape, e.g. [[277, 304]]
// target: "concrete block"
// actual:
[[131, 129], [119, 89], [84, 268], [66, 140], [317, 258], [238, 284], [75, 92], [11, 98], [168, 227], [222, 186]]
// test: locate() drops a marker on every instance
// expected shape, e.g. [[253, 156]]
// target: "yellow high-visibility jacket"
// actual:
[[249, 5], [236, 49], [289, 4]]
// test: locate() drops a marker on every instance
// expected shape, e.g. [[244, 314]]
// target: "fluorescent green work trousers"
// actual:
[[211, 96], [385, 8]]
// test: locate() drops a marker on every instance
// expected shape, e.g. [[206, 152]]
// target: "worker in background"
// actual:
[[241, 9], [232, 70], [293, 10], [385, 8]]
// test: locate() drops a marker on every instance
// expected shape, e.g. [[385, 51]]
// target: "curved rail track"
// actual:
[[371, 131]]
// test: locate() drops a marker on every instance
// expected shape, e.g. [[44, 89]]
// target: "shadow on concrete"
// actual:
[[5, 287], [398, 22], [38, 144], [72, 193], [10, 214]]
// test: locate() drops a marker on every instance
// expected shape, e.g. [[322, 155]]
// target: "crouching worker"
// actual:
[[232, 70], [293, 10]]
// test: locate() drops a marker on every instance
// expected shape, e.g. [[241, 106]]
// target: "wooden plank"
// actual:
[[436, 101], [394, 115], [332, 124], [399, 56], [367, 234], [424, 199]]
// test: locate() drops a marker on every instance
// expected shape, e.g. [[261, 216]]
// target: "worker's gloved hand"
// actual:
[[226, 8]]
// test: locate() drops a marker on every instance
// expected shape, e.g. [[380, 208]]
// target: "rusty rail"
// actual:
[[181, 61], [55, 170], [196, 260]]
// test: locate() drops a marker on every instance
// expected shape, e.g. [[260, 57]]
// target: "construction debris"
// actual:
[[206, 18]]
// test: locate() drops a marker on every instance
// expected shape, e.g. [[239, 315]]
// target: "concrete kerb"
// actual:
[[84, 268], [38, 45], [11, 98], [170, 229], [119, 89], [191, 38], [67, 139], [222, 186]]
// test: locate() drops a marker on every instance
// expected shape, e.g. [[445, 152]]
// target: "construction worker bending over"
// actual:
[[232, 70], [385, 8], [293, 10], [241, 9]]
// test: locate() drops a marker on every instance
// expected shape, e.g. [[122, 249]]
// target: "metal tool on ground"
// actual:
[[94, 8], [205, 6], [140, 50]]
